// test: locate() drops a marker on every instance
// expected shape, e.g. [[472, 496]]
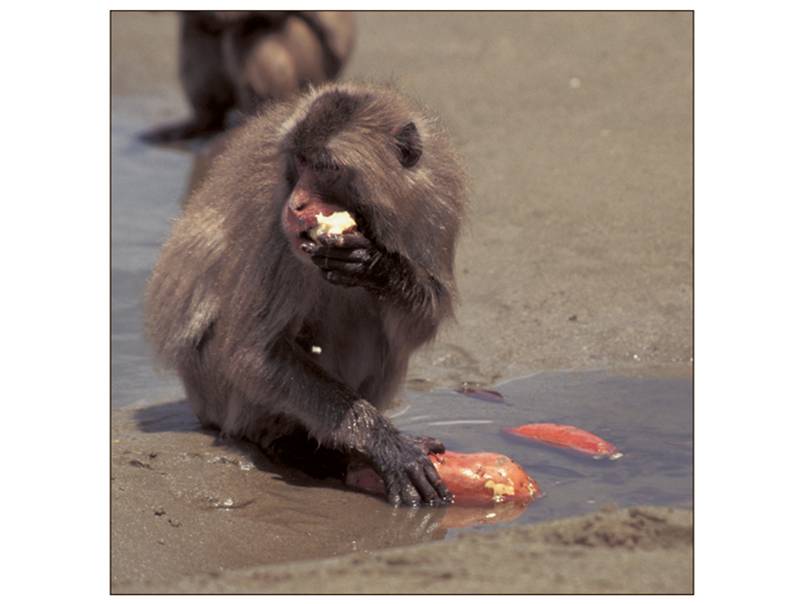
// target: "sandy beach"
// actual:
[[576, 131]]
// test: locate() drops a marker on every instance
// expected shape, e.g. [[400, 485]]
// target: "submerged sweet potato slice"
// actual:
[[475, 479], [570, 437]]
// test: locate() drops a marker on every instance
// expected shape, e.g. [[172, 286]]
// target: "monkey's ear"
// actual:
[[409, 145]]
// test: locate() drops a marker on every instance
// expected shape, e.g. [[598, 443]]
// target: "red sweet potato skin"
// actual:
[[475, 479], [569, 437]]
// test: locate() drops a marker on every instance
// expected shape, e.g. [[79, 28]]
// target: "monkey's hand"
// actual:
[[352, 260], [417, 299], [408, 474]]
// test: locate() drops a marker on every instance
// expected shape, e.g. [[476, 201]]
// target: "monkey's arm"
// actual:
[[338, 418]]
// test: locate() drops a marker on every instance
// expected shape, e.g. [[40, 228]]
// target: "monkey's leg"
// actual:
[[298, 450], [198, 125], [338, 418], [205, 82]]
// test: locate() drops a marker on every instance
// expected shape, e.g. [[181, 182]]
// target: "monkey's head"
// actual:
[[368, 151]]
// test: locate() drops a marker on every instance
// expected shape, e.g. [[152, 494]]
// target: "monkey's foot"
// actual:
[[180, 132]]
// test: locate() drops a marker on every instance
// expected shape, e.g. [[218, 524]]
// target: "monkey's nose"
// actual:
[[300, 199]]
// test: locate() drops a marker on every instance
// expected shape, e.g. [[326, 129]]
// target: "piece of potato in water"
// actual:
[[336, 223], [569, 437]]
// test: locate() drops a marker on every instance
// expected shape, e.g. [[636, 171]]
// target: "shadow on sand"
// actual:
[[294, 459]]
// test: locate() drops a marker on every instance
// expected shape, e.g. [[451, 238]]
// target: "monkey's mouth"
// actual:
[[331, 229], [298, 238], [318, 223]]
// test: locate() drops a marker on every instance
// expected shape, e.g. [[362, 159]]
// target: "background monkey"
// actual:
[[275, 334], [239, 59]]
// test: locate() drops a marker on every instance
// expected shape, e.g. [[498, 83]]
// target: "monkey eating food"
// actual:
[[284, 338], [336, 223]]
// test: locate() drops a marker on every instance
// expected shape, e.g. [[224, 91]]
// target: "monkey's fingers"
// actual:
[[328, 256], [394, 489], [338, 253], [346, 273], [438, 484], [342, 279], [339, 266], [419, 476], [354, 239], [410, 495]]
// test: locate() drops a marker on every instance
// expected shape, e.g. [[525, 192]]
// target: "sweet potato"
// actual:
[[570, 437], [475, 479], [336, 223]]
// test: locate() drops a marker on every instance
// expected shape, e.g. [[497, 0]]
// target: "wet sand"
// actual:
[[177, 489], [576, 131], [193, 515]]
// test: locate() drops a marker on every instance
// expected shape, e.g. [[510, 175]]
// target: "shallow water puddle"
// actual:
[[648, 419]]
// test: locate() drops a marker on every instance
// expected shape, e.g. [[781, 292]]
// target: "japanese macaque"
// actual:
[[283, 329], [239, 59]]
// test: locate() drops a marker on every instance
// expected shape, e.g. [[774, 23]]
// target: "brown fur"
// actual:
[[233, 310], [239, 59]]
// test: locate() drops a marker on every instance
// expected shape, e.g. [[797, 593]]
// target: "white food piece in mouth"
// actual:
[[334, 224]]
